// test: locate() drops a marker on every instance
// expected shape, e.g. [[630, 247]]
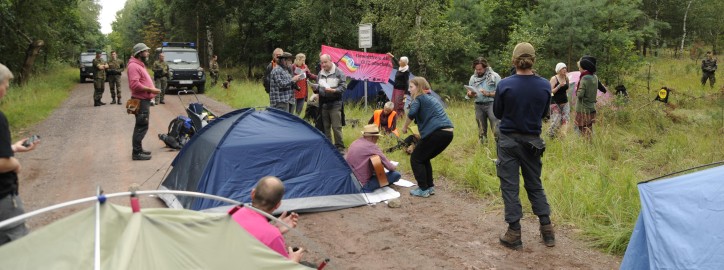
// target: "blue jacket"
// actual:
[[429, 115]]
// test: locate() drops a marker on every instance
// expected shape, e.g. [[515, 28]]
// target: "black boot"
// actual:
[[113, 101], [96, 103], [101, 102], [119, 100]]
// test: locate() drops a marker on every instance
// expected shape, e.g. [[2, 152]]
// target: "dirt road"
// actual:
[[84, 147]]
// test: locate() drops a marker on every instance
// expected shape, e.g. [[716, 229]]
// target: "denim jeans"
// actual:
[[373, 183]]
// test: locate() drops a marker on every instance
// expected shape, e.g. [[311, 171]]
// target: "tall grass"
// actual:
[[27, 105], [591, 186]]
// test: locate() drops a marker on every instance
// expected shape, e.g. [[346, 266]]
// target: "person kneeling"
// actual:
[[359, 154]]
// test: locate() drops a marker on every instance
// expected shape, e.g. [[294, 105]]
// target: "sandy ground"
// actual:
[[85, 147]]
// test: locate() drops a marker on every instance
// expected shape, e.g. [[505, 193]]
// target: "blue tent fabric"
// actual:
[[356, 89], [228, 156], [681, 224]]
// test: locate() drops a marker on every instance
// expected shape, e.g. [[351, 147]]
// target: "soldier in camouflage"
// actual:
[[214, 70], [99, 78], [160, 76], [115, 67], [708, 67]]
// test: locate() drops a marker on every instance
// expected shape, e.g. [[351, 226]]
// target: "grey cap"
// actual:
[[139, 48]]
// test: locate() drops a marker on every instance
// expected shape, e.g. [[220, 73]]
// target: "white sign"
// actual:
[[365, 36]]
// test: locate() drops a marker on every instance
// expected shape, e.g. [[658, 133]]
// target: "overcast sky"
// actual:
[[108, 13]]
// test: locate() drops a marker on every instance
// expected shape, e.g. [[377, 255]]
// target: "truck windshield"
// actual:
[[89, 58], [181, 57]]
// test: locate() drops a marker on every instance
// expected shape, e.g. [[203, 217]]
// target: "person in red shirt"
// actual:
[[141, 85]]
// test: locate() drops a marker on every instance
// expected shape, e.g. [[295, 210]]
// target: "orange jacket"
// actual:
[[390, 121]]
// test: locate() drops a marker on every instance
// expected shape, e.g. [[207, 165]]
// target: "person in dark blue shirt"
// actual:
[[521, 102]]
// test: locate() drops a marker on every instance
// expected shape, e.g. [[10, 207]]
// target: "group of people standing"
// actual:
[[110, 71]]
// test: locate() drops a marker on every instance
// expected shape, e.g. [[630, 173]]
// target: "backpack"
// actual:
[[180, 130]]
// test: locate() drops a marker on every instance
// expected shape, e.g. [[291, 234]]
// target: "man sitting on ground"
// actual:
[[359, 154], [267, 197], [386, 119]]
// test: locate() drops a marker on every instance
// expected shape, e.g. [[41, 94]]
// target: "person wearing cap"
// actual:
[[275, 55], [708, 68], [10, 203], [484, 80], [560, 110], [281, 91], [521, 103], [436, 133], [358, 157], [142, 88], [99, 78], [115, 67], [586, 92], [330, 99]]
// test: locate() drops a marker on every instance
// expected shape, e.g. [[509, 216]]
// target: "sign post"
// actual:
[[365, 41]]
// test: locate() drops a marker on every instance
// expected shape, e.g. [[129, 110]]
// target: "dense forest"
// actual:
[[440, 37]]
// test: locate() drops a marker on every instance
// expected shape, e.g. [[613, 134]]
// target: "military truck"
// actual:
[[184, 67], [85, 63]]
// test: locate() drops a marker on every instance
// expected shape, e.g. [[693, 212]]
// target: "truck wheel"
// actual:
[[201, 88]]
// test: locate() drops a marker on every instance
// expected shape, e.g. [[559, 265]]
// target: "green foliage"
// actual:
[[66, 27], [30, 104]]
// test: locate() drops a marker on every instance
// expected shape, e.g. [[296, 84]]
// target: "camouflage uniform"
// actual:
[[115, 67], [708, 67], [214, 72], [160, 76], [99, 79]]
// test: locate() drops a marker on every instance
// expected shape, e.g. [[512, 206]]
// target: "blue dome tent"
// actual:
[[680, 223], [228, 156]]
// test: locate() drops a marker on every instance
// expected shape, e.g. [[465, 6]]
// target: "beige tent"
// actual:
[[153, 238]]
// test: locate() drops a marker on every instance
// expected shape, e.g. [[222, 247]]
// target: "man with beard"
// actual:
[[141, 85]]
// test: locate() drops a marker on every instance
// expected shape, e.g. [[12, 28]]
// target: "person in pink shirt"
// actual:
[[267, 197], [142, 88]]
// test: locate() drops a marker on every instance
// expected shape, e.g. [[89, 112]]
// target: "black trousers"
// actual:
[[521, 153], [427, 149], [139, 131]]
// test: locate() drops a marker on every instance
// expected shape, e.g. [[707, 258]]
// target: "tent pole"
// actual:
[[113, 195], [97, 259]]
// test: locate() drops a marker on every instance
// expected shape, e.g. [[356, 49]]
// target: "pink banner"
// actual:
[[374, 67]]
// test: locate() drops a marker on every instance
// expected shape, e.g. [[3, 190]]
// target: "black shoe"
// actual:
[[141, 157], [162, 102], [101, 102], [96, 104], [119, 101], [113, 101], [145, 152]]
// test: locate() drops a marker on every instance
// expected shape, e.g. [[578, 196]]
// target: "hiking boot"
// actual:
[[511, 239], [141, 157], [418, 192], [548, 235]]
